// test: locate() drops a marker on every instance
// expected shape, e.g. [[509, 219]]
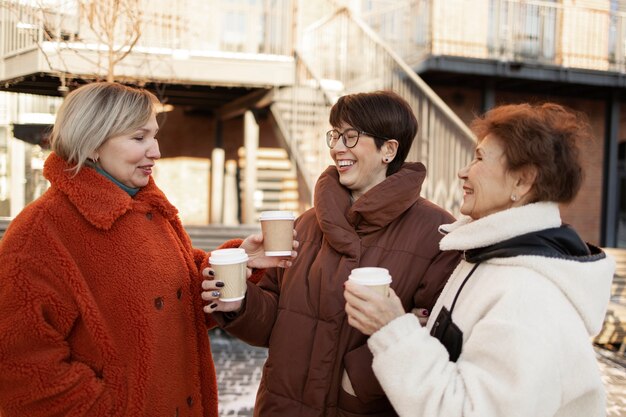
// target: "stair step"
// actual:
[[265, 153], [276, 185], [202, 237], [264, 164], [210, 237]]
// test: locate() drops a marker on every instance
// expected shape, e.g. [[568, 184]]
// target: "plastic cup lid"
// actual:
[[277, 215], [370, 276], [228, 256]]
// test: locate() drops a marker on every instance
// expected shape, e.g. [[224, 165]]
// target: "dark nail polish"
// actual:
[[219, 284], [213, 305]]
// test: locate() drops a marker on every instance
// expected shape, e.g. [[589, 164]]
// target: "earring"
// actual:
[[513, 197]]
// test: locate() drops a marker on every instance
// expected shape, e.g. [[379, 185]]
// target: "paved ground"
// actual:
[[613, 368], [238, 369]]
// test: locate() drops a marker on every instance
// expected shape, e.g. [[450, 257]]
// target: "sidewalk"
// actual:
[[238, 368], [613, 368]]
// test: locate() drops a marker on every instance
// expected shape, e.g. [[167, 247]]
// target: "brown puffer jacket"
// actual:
[[299, 312]]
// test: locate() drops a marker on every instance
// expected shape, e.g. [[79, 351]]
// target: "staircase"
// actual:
[[202, 237], [341, 55], [210, 237], [301, 115], [277, 182]]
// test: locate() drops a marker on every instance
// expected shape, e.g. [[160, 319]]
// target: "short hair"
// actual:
[[544, 136], [382, 113], [95, 112]]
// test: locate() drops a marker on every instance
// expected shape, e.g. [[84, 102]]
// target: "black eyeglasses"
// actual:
[[350, 137]]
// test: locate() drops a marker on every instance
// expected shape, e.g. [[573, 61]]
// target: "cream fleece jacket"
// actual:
[[526, 322]]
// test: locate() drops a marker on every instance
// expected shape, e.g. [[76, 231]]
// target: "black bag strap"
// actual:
[[461, 287]]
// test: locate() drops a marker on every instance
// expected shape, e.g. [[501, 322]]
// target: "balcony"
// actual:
[[242, 44], [561, 43]]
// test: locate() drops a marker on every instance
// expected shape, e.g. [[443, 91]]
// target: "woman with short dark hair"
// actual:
[[510, 333], [368, 212]]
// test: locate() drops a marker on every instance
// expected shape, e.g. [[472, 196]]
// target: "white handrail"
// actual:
[[343, 51]]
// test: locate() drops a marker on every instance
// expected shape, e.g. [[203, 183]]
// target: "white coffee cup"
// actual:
[[229, 266], [375, 278], [277, 229]]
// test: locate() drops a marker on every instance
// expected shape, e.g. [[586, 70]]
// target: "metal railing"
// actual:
[[302, 113], [572, 35], [244, 26], [19, 28], [343, 55]]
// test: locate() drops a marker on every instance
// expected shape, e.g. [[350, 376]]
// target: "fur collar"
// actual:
[[466, 233], [97, 198]]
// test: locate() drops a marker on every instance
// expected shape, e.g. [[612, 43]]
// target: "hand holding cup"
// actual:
[[370, 303], [230, 270], [277, 229], [254, 246], [216, 290], [211, 293]]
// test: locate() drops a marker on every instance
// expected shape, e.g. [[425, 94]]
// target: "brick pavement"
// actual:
[[238, 368]]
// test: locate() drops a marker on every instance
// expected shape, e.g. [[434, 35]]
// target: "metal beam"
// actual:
[[489, 96], [521, 70], [256, 99], [610, 192]]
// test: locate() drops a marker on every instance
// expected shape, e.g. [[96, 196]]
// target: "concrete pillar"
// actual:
[[217, 185], [610, 192], [251, 145], [488, 96], [18, 176], [231, 204]]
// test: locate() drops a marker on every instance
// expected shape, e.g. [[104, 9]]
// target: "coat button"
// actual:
[[179, 293], [189, 401], [149, 216], [159, 303]]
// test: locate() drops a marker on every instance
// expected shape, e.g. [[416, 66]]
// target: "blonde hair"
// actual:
[[95, 112]]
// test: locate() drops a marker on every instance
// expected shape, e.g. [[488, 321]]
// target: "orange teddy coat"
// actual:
[[100, 309]]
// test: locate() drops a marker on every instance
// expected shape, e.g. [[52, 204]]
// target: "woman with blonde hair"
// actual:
[[100, 308]]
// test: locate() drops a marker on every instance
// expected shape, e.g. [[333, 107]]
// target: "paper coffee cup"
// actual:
[[375, 278], [230, 267], [277, 229]]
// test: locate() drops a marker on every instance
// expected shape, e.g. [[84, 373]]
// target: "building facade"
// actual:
[[248, 85]]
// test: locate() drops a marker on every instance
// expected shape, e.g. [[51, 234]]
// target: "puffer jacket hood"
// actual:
[[372, 211]]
